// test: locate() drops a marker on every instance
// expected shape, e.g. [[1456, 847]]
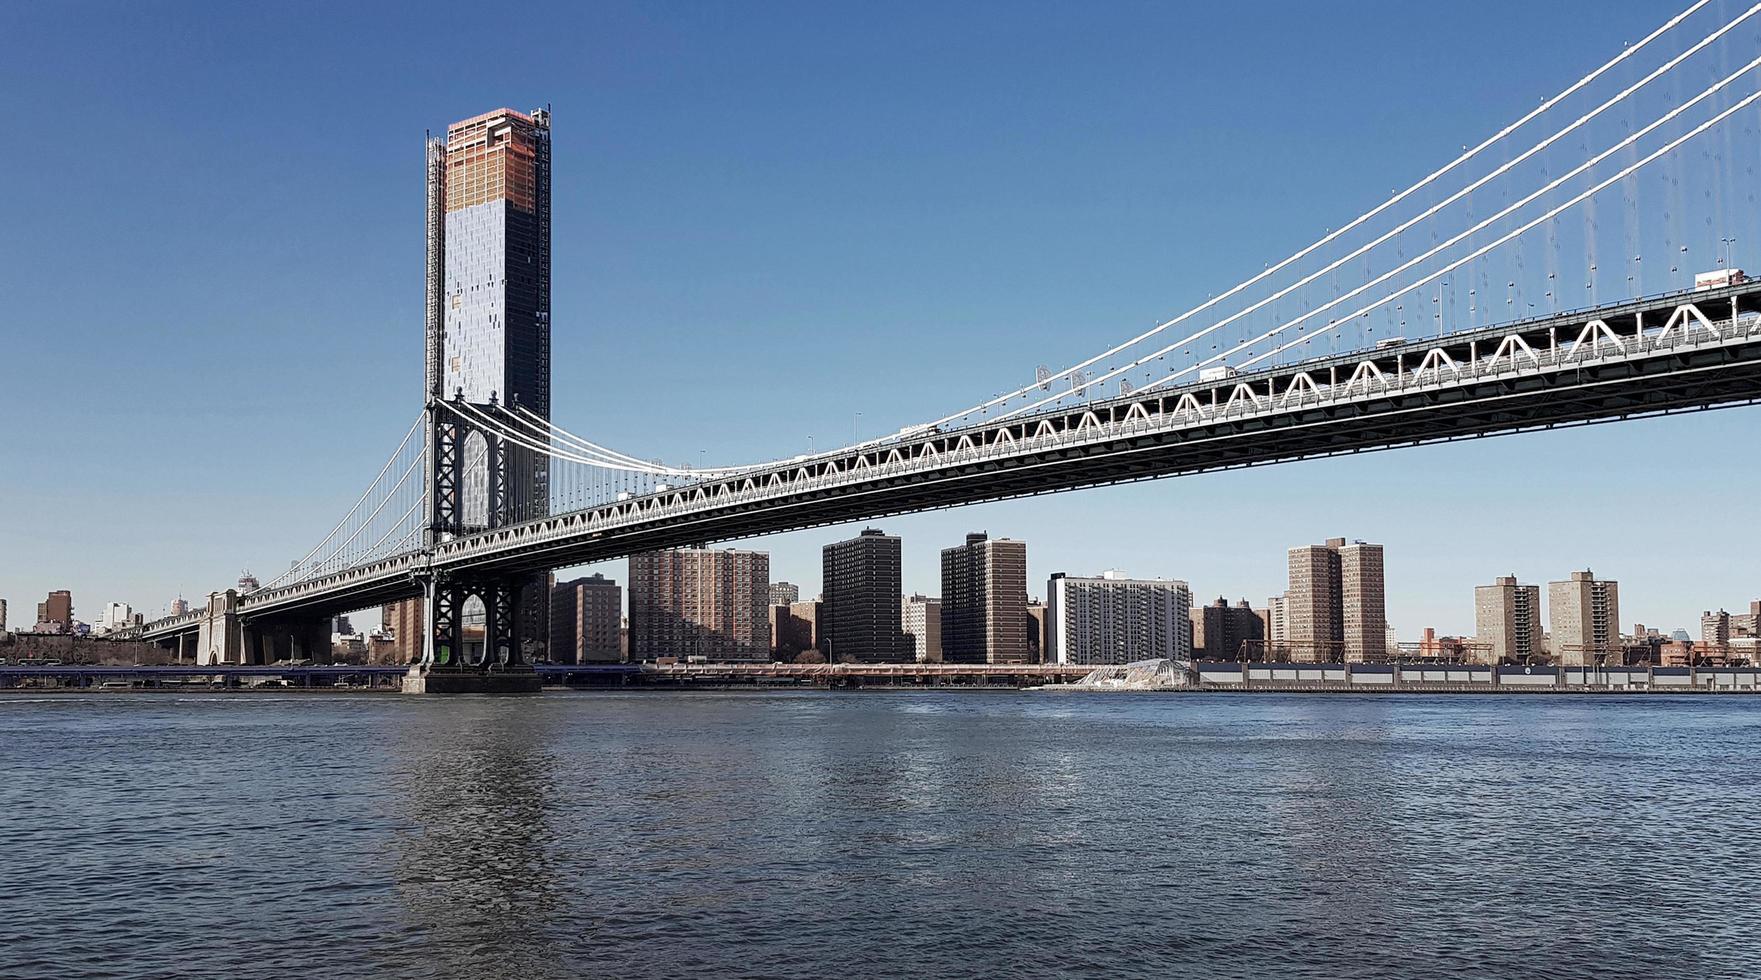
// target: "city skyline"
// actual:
[[1038, 590], [319, 308]]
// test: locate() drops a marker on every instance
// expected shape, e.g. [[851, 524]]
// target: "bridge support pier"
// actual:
[[220, 637], [474, 640]]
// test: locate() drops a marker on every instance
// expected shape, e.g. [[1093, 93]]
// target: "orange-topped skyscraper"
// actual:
[[489, 259]]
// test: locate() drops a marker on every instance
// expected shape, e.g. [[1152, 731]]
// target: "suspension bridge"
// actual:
[[1578, 266]]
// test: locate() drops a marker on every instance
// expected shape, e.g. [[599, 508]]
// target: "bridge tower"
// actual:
[[487, 341], [474, 622]]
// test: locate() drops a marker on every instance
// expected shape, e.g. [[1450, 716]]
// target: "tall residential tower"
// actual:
[[697, 603], [1335, 603], [1116, 620], [984, 601], [1507, 620], [1585, 613], [859, 621]]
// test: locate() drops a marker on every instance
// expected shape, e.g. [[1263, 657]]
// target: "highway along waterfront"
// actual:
[[923, 833]]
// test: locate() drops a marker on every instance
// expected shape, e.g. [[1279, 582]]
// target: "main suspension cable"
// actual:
[[1456, 240], [1458, 263], [1429, 212], [615, 460], [1354, 223]]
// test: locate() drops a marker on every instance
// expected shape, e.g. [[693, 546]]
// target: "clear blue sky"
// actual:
[[768, 218]]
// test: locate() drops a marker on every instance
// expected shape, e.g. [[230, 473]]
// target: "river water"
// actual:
[[880, 834]]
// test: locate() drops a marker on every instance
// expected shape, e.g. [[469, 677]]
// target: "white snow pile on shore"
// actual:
[[1142, 675]]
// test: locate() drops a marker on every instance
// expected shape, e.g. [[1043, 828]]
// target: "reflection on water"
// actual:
[[816, 834], [472, 869]]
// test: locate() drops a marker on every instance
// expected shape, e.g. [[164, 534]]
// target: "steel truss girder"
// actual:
[[1705, 379]]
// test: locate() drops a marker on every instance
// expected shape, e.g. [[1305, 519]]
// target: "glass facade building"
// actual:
[[496, 298]]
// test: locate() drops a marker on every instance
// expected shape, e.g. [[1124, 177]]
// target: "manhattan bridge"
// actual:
[[1578, 266]]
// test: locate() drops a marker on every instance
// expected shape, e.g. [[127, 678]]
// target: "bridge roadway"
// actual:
[[1678, 352]]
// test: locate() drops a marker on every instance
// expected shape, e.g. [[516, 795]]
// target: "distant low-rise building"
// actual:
[[1230, 632], [585, 616], [784, 593], [1677, 653], [115, 616], [920, 618], [382, 647], [1450, 649], [348, 648], [794, 630]]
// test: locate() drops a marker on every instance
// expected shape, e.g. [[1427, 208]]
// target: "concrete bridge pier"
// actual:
[[473, 641], [225, 636], [220, 638]]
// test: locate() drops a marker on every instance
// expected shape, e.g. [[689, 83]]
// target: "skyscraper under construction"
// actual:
[[488, 301], [491, 284]]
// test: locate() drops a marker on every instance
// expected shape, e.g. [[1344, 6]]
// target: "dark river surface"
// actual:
[[880, 834]]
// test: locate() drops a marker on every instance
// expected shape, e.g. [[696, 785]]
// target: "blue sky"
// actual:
[[768, 219]]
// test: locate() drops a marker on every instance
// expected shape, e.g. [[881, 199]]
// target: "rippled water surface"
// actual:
[[817, 834]]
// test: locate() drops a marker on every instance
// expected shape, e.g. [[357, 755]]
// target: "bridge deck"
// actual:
[[1661, 355]]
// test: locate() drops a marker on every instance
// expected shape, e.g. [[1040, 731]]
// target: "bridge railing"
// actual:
[[161, 625], [1684, 330], [394, 567]]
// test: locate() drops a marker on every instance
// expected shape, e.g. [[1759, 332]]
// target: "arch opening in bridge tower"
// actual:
[[473, 623]]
